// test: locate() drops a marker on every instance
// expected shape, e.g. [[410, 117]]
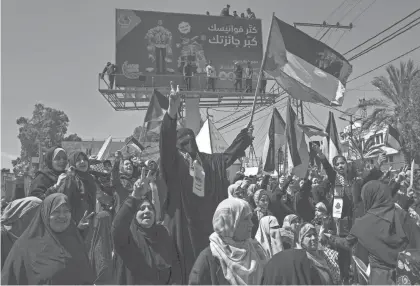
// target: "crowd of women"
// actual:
[[122, 225]]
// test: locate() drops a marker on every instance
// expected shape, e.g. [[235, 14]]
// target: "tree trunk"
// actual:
[[407, 157]]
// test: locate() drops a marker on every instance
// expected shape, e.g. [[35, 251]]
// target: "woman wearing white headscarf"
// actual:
[[233, 257], [268, 235], [14, 220]]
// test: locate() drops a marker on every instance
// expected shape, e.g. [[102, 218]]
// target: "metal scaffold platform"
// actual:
[[137, 97]]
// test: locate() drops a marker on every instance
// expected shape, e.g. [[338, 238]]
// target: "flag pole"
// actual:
[[260, 73]]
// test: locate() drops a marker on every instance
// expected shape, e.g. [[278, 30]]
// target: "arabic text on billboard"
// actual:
[[150, 43]]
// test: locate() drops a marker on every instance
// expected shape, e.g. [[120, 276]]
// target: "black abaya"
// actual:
[[191, 215]]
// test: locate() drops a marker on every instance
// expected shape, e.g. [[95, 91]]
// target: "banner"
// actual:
[[157, 43]]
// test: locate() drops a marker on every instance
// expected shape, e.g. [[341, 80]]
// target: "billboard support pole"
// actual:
[[260, 73]]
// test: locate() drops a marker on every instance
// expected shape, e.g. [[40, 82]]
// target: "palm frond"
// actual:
[[394, 75], [386, 89], [374, 102], [378, 117]]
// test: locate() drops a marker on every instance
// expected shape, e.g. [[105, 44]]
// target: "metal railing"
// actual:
[[199, 82]]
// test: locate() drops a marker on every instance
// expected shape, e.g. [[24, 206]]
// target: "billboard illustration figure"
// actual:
[[159, 48], [191, 48]]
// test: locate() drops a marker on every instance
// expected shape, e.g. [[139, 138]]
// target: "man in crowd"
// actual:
[[235, 14], [225, 11], [197, 183], [109, 70], [248, 77], [211, 76], [263, 83], [238, 76], [188, 73]]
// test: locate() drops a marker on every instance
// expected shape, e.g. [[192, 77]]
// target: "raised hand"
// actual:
[[118, 155], [174, 101], [381, 159], [250, 130], [318, 151], [60, 180], [141, 186], [85, 221]]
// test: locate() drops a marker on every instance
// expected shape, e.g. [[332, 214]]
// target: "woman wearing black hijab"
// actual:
[[290, 267], [384, 231], [146, 254], [50, 251], [47, 180]]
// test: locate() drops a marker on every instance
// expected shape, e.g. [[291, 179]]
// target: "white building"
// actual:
[[395, 158]]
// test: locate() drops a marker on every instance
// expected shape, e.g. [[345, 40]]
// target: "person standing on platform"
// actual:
[[211, 76], [248, 77], [225, 11], [197, 183], [238, 76], [187, 71], [263, 83], [110, 70], [251, 14]]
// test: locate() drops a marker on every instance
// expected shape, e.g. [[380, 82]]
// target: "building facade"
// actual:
[[379, 135]]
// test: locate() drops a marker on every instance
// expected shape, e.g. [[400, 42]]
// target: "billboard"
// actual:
[[157, 43]]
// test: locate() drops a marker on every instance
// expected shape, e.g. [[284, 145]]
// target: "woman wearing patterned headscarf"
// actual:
[[50, 251], [287, 231], [262, 201], [48, 180], [233, 257], [384, 231], [307, 238], [268, 235], [14, 220]]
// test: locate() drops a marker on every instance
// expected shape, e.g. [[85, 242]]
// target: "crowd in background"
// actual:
[[180, 221]]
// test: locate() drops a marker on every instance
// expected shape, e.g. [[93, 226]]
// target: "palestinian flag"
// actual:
[[306, 68]]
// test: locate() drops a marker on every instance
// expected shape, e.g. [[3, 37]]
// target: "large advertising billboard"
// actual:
[[157, 43]]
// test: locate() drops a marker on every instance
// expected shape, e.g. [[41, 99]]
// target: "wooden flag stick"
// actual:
[[260, 73]]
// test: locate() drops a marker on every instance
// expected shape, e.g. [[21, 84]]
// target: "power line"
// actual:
[[332, 13], [386, 39], [244, 116], [313, 116], [220, 120], [367, 8], [339, 39], [380, 33], [378, 67], [354, 6]]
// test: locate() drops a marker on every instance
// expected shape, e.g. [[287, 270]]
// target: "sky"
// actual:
[[52, 51]]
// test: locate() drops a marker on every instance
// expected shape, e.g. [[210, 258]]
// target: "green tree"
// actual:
[[399, 91], [47, 127], [72, 137]]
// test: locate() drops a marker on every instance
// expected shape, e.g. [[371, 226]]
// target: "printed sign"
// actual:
[[199, 179], [158, 43], [337, 207]]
